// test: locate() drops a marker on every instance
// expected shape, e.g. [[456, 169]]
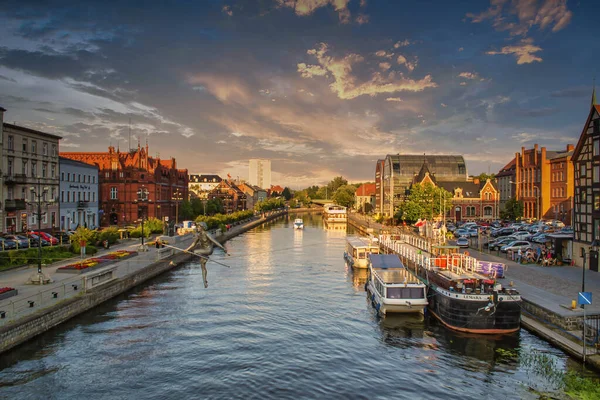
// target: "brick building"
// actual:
[[133, 184], [231, 196], [365, 194]]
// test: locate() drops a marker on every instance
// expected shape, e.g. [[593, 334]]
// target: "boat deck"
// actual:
[[395, 276]]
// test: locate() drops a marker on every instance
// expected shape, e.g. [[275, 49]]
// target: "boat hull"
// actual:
[[358, 264], [388, 306], [475, 315]]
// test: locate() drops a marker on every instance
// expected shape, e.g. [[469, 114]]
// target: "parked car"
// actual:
[[496, 244], [462, 242], [541, 239], [520, 235], [461, 232], [473, 232], [21, 241], [63, 237], [36, 240], [450, 227], [515, 246], [503, 232], [7, 244], [47, 237]]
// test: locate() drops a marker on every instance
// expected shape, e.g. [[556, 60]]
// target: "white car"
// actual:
[[520, 235], [515, 246]]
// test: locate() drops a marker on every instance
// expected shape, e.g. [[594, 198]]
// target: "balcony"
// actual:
[[82, 204], [12, 179], [14, 204]]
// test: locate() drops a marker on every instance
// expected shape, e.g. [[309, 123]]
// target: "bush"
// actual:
[[137, 232], [110, 234], [153, 225], [85, 234], [220, 220]]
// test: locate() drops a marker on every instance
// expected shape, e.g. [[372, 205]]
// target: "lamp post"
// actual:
[[177, 197], [142, 198], [37, 196]]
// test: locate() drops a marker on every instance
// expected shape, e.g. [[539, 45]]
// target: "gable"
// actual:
[[594, 114]]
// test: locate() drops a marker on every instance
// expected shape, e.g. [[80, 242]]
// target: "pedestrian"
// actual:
[[519, 254], [157, 243], [539, 254]]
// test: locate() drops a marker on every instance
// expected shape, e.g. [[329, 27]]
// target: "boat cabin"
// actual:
[[358, 250]]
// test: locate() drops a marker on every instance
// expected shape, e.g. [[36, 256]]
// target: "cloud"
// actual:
[[398, 99], [524, 137], [226, 89], [383, 53], [4, 78], [227, 10], [308, 71], [307, 7], [539, 112], [468, 75], [362, 19], [385, 66], [519, 16], [402, 43], [410, 65], [444, 105], [346, 85], [579, 91], [522, 51]]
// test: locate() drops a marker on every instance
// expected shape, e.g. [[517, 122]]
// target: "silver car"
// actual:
[[515, 246]]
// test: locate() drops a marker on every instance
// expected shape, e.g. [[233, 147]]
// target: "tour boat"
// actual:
[[358, 250], [393, 288], [334, 214], [298, 223], [462, 295]]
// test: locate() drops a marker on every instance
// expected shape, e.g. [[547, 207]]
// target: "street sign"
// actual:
[[584, 298]]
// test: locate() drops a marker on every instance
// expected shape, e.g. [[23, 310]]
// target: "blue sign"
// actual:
[[584, 298]]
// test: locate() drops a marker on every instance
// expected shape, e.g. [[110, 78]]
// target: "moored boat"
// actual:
[[298, 223], [358, 250], [392, 288], [334, 214]]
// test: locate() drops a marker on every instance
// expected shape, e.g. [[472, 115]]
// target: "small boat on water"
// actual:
[[358, 250], [334, 214], [393, 288], [298, 223]]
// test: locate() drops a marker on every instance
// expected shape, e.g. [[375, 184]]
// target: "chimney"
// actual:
[[570, 147]]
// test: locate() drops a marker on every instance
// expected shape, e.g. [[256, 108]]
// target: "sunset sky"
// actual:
[[321, 87]]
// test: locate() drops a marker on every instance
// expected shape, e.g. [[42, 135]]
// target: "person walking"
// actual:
[[519, 255]]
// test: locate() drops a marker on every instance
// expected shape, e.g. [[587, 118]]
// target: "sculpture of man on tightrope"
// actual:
[[203, 246]]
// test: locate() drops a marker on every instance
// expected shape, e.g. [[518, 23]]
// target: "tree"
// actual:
[[513, 209], [335, 184], [424, 202], [322, 193], [311, 191], [302, 197], [197, 207], [186, 212], [483, 177], [344, 195], [287, 193]]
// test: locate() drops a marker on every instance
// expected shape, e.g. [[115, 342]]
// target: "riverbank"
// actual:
[[36, 309], [546, 310]]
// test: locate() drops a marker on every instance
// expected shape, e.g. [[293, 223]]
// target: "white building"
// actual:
[[201, 185], [260, 173], [78, 194]]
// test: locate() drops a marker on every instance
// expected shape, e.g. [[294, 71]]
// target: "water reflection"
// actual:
[[358, 277]]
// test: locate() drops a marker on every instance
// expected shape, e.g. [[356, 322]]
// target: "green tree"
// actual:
[[335, 184], [424, 202], [311, 191], [301, 196], [287, 193], [483, 177], [214, 206], [323, 193], [513, 209], [344, 195], [186, 212], [197, 207]]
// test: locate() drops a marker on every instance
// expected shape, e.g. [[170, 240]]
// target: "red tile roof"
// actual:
[[367, 189]]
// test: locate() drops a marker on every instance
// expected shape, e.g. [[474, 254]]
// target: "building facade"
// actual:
[[260, 173], [542, 180], [586, 199], [79, 195], [364, 198], [400, 170], [201, 185], [379, 186], [134, 185], [232, 198], [29, 161], [254, 194]]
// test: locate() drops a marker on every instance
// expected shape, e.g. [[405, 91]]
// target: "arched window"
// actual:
[[487, 211]]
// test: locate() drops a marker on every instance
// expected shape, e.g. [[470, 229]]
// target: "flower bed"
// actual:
[[7, 292], [96, 262]]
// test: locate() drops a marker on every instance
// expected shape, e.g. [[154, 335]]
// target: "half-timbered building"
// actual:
[[586, 210]]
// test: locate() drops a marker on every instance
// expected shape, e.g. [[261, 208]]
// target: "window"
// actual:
[[78, 177], [596, 147], [68, 196], [9, 165], [62, 176], [11, 193], [45, 218], [45, 149], [44, 169], [93, 196], [487, 211], [53, 150], [93, 179], [107, 175], [34, 169], [583, 196], [24, 146], [11, 142], [62, 196], [53, 171], [113, 193], [23, 193], [68, 176], [53, 194], [33, 146], [596, 200], [596, 174], [582, 170]]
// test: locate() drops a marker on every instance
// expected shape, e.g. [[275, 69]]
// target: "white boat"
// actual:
[[334, 214], [392, 288], [298, 223], [358, 250]]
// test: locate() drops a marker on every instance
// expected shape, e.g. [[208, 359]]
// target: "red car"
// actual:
[[47, 237]]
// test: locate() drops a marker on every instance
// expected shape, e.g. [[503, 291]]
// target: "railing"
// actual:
[[592, 329], [14, 204], [82, 204], [23, 306]]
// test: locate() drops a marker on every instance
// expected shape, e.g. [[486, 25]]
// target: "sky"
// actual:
[[321, 87]]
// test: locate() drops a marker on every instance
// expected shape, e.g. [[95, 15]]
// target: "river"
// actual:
[[287, 320]]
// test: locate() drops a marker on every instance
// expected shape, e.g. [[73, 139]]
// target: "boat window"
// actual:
[[375, 250], [361, 255], [405, 293]]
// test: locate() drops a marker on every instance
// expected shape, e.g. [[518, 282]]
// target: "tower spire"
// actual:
[[594, 102]]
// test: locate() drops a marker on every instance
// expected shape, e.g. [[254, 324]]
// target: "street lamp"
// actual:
[[177, 197], [142, 197], [37, 196]]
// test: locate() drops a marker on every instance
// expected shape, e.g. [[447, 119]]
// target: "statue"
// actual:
[[203, 246]]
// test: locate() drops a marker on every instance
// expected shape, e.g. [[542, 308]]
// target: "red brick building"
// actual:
[[133, 184], [232, 197]]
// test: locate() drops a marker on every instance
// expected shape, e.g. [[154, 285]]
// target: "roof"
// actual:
[[64, 160], [2, 109], [25, 129], [205, 178], [595, 109], [366, 189], [558, 154], [469, 189], [442, 166], [385, 261], [276, 188]]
